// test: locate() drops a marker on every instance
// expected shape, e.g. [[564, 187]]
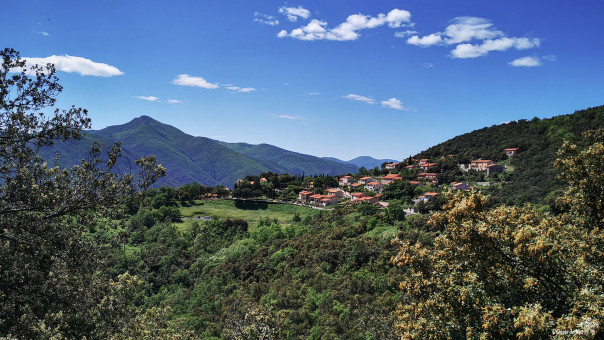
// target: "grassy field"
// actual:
[[245, 210]]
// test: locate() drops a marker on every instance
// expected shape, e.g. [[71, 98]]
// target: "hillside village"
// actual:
[[414, 182]]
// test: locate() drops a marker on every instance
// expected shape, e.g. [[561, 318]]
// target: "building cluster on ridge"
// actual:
[[350, 188]]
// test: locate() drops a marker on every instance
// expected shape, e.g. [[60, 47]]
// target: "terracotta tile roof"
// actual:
[[431, 194], [333, 190], [304, 192], [373, 183], [512, 149], [362, 178]]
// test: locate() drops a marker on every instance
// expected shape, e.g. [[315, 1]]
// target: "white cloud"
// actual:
[[265, 19], [237, 89], [428, 65], [473, 37], [148, 98], [393, 103], [83, 66], [359, 98], [42, 33], [174, 101], [425, 41], [470, 28], [187, 80], [526, 62], [291, 117], [292, 13], [348, 30], [313, 93], [464, 51]]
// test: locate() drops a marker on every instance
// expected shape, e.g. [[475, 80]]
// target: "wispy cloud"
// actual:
[[348, 30], [42, 33], [174, 101], [291, 117], [187, 80], [82, 66], [428, 65], [357, 97], [237, 89], [265, 19], [404, 34], [473, 37], [292, 13], [394, 103], [194, 81], [147, 98], [313, 93]]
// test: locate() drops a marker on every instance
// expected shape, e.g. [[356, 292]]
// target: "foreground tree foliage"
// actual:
[[513, 272], [51, 276]]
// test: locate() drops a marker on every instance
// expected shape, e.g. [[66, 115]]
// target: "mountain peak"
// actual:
[[143, 120]]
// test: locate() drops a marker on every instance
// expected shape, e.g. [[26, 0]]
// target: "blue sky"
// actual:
[[328, 78]]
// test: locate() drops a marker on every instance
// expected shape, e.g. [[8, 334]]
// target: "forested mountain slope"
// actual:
[[295, 162], [533, 177], [188, 158]]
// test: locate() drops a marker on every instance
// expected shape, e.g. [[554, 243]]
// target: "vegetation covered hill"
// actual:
[[295, 162], [191, 159], [533, 177]]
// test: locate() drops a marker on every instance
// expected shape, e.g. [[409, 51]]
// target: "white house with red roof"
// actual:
[[481, 164], [428, 175], [390, 178], [335, 192], [374, 186], [346, 180], [427, 196], [511, 151], [366, 179], [304, 196]]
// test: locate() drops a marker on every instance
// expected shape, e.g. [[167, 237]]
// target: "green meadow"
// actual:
[[250, 211]]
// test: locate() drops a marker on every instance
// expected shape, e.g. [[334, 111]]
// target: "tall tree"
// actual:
[[50, 278]]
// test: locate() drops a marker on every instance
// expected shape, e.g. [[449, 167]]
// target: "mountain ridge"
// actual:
[[367, 162], [191, 158]]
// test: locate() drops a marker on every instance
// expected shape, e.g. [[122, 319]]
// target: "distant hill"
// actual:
[[293, 162], [190, 158], [534, 177], [363, 161]]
